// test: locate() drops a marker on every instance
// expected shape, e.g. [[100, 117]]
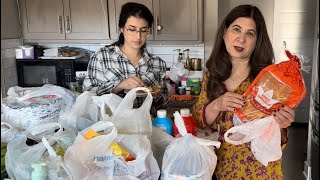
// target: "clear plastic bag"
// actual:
[[264, 135], [83, 113], [20, 156], [129, 120], [188, 157], [8, 132], [38, 106]]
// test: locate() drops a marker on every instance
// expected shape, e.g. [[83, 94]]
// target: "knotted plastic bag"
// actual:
[[276, 85], [265, 137], [188, 157]]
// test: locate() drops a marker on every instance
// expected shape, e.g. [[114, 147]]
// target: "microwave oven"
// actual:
[[37, 72]]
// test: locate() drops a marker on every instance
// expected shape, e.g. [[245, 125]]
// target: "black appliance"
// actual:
[[37, 72]]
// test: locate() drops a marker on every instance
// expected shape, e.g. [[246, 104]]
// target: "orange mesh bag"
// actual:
[[276, 85]]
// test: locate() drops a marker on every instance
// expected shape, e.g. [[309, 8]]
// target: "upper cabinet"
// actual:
[[64, 19], [178, 21], [175, 21]]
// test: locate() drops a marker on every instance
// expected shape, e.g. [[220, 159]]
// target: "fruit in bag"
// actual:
[[276, 85], [117, 149]]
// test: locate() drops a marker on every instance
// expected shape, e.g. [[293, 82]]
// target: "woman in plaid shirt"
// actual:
[[126, 64]]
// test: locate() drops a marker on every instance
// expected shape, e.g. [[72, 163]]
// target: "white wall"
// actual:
[[165, 52], [294, 23]]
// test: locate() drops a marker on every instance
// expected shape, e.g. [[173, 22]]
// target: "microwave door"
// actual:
[[39, 75]]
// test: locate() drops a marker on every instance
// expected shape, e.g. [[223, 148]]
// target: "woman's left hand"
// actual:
[[284, 116]]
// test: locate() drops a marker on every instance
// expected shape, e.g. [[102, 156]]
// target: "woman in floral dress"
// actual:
[[242, 49]]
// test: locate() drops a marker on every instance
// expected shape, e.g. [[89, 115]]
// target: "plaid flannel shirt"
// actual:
[[109, 66]]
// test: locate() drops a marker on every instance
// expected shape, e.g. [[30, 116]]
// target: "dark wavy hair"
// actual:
[[133, 9], [219, 64]]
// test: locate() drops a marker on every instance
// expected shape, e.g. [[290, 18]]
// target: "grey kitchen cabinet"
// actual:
[[64, 19], [178, 21]]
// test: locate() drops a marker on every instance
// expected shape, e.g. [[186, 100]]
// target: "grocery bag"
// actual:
[[92, 159], [20, 156], [188, 157], [129, 120], [8, 132], [264, 135], [83, 113], [35, 106]]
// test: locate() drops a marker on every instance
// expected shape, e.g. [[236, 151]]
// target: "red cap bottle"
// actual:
[[188, 121]]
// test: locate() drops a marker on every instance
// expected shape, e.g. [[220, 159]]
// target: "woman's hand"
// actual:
[[227, 102], [131, 82], [284, 116]]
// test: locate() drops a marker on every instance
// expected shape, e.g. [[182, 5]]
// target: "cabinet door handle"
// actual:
[[159, 27], [68, 25], [60, 24]]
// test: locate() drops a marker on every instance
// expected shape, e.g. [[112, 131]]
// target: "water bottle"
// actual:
[[189, 122], [163, 122]]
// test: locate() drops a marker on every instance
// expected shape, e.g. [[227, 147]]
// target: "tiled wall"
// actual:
[[8, 64], [165, 52]]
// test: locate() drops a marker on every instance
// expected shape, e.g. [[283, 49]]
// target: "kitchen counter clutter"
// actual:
[[65, 147]]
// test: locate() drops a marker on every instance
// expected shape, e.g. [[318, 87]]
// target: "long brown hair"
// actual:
[[219, 65]]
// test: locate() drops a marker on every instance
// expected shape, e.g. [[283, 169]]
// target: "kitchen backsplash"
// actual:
[[165, 52], [8, 64]]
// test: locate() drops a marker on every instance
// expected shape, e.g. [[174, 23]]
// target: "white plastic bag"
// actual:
[[8, 132], [92, 159], [145, 165], [133, 121], [159, 142], [188, 157], [265, 137], [83, 113], [20, 156], [38, 106]]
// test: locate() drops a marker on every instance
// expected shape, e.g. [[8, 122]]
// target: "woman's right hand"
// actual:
[[131, 82], [227, 102]]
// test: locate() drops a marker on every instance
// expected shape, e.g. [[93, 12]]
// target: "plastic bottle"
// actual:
[[163, 122], [189, 122], [184, 81], [39, 171]]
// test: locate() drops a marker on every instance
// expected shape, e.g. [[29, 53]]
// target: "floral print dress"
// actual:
[[234, 161]]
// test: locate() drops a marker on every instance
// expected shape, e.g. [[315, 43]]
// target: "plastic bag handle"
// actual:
[[178, 121], [101, 126], [128, 100], [43, 128], [206, 142], [53, 153]]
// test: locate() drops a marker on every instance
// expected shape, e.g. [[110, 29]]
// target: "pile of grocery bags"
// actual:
[[52, 133]]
